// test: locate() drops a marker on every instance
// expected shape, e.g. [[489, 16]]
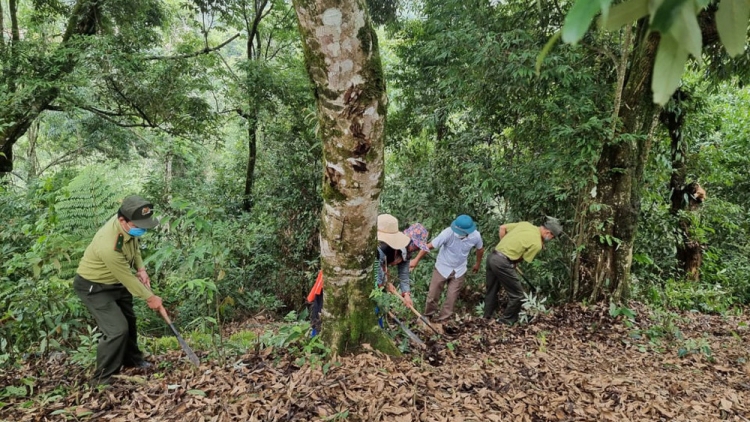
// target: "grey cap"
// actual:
[[139, 211], [552, 224]]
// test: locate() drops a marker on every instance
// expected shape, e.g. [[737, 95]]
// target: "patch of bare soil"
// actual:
[[573, 365]]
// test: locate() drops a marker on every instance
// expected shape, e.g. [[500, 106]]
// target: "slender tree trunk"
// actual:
[[343, 61], [2, 31], [689, 249], [32, 136], [604, 264], [252, 26], [252, 140], [24, 108]]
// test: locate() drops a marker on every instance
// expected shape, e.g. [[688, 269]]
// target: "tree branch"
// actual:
[[196, 53]]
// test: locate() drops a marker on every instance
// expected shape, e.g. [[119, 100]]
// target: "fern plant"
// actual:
[[85, 204], [89, 200]]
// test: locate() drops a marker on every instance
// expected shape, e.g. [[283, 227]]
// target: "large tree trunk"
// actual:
[[26, 106], [603, 267], [343, 61]]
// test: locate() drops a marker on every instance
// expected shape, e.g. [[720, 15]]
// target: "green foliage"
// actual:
[[531, 307], [677, 23], [698, 346], [475, 126], [85, 354]]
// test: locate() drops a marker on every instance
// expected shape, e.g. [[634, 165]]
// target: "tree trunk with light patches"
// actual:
[[343, 62]]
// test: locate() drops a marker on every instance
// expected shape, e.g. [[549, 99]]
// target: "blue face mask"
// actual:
[[136, 231]]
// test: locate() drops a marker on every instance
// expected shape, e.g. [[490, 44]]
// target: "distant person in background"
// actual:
[[105, 283], [455, 244], [518, 241]]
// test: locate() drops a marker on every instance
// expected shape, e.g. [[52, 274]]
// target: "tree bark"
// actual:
[[603, 266], [2, 30], [26, 106], [689, 250], [252, 27], [252, 140], [343, 61]]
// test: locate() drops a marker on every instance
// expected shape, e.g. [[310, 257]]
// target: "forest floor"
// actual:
[[574, 364]]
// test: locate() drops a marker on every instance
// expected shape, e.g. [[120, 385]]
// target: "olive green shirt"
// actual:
[[109, 258], [521, 240]]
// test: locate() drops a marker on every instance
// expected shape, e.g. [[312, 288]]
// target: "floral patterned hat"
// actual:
[[418, 234]]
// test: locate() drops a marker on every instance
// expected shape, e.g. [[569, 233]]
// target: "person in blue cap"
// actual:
[[455, 244]]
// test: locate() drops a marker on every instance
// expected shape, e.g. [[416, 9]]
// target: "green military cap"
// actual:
[[139, 211]]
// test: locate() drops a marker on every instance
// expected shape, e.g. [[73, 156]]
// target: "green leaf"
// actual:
[[604, 6], [686, 29], [547, 48], [624, 13], [578, 20], [665, 15], [668, 67], [731, 21], [197, 392]]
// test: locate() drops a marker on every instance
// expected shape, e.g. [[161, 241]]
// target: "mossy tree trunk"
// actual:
[[603, 266], [343, 61]]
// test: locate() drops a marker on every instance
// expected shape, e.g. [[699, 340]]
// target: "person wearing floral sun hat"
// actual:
[[418, 235], [455, 244], [392, 246]]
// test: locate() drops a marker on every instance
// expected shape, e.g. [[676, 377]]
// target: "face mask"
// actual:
[[547, 238], [462, 237], [136, 231]]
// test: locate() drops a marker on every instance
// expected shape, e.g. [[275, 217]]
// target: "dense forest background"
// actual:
[[206, 108]]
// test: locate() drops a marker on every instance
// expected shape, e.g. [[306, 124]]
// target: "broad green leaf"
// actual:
[[666, 14], [731, 21], [578, 20], [604, 6], [686, 29], [668, 67], [547, 47], [624, 13]]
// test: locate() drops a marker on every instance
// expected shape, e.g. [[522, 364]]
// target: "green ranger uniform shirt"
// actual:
[[521, 240], [109, 258]]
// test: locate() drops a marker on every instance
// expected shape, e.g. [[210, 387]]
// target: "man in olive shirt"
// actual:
[[518, 241], [106, 285]]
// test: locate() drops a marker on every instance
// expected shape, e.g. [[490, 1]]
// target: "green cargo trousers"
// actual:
[[112, 308]]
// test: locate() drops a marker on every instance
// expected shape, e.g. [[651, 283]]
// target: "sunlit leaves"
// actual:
[[578, 20], [675, 20], [731, 22], [666, 14], [624, 13], [670, 61]]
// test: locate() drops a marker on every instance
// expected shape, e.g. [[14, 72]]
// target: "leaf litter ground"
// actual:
[[575, 364]]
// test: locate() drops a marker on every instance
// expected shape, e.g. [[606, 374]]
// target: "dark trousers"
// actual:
[[501, 272], [112, 308]]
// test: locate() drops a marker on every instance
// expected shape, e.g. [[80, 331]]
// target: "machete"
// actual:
[[188, 351], [526, 280], [421, 317], [406, 329]]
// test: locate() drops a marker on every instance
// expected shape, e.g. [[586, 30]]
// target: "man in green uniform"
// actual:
[[106, 284], [518, 241]]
